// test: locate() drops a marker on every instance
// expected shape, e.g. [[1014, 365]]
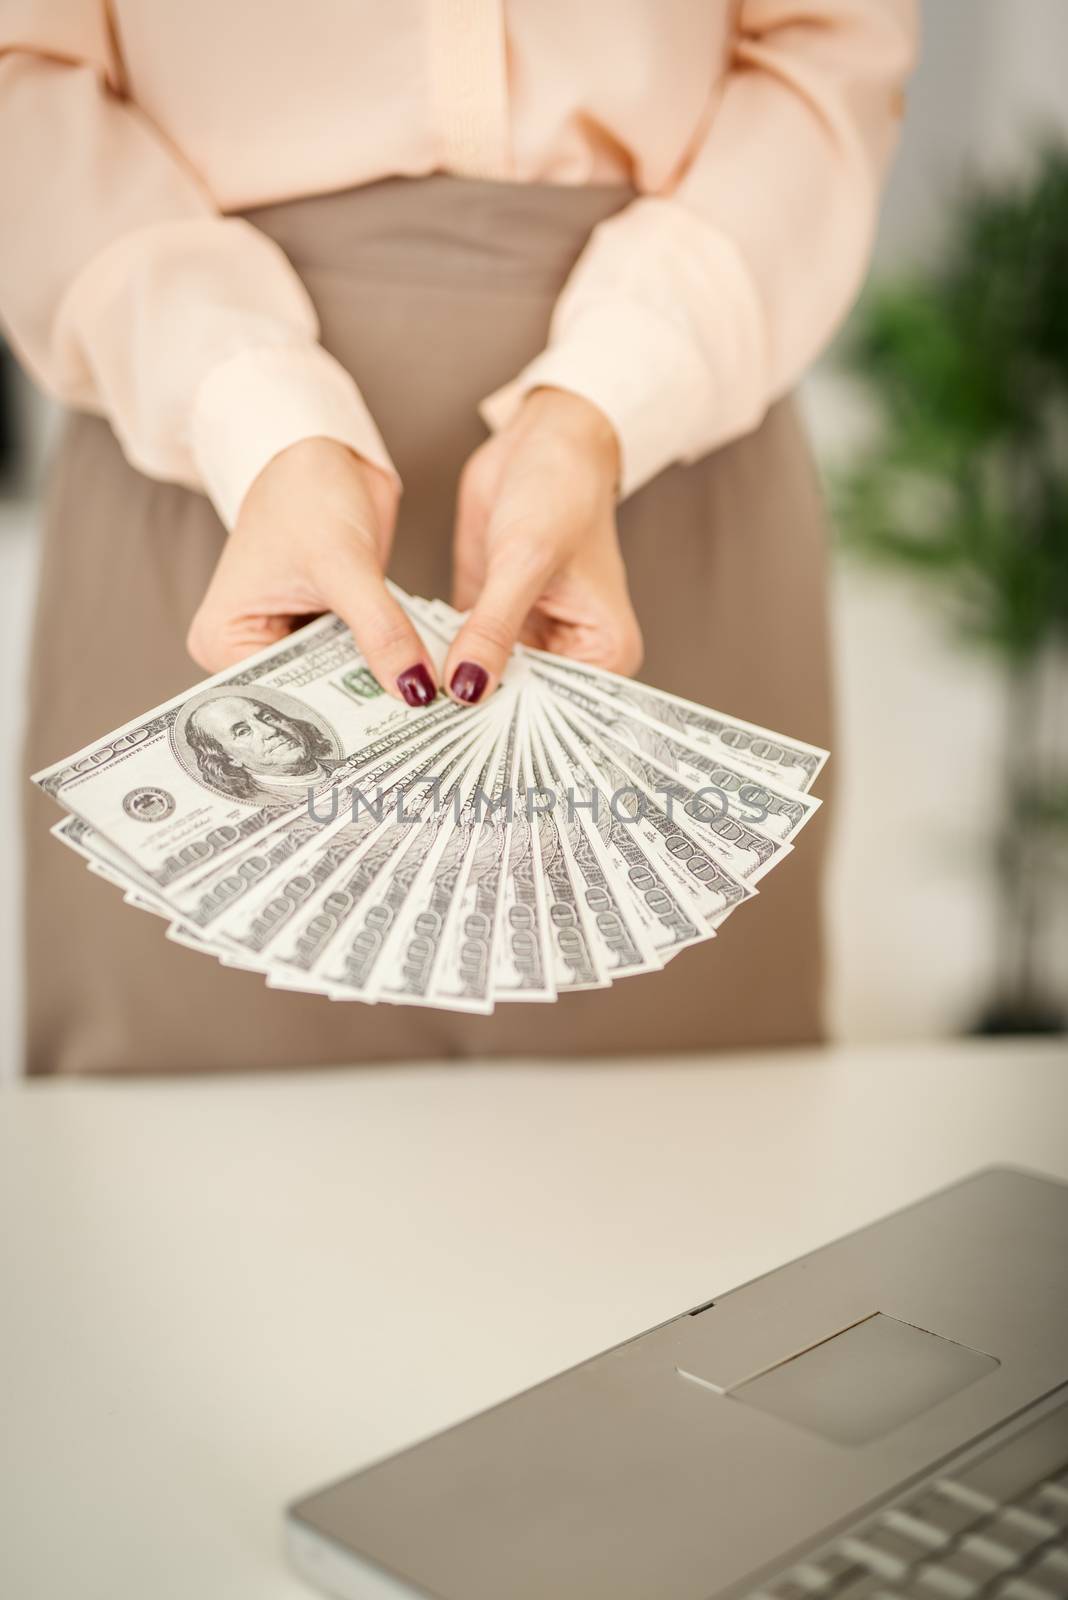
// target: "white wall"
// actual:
[[922, 722]]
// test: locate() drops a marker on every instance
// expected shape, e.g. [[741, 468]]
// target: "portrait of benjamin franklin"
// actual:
[[261, 747]]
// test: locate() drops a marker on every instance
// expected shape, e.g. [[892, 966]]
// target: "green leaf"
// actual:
[[966, 484]]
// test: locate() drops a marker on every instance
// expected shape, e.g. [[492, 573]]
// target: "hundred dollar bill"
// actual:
[[463, 975], [788, 763], [707, 811], [666, 911], [297, 860], [109, 864], [411, 977], [707, 884], [521, 951], [355, 963], [230, 897], [574, 964], [754, 802], [525, 950], [763, 785], [289, 818], [302, 947], [295, 926], [622, 938], [209, 772], [711, 889]]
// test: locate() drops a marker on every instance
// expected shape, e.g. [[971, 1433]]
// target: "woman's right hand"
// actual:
[[313, 535]]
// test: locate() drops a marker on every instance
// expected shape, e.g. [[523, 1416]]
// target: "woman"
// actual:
[[286, 259]]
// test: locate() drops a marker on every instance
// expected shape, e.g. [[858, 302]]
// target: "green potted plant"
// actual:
[[965, 485]]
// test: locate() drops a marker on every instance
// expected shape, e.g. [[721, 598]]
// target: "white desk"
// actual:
[[217, 1295]]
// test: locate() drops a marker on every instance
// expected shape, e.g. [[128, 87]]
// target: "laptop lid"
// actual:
[[677, 1464]]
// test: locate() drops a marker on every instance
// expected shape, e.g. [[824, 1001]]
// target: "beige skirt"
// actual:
[[433, 292]]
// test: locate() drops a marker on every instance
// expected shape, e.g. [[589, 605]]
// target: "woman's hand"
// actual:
[[312, 535], [536, 550]]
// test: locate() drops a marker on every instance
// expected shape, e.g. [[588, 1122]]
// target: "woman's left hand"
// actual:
[[536, 553]]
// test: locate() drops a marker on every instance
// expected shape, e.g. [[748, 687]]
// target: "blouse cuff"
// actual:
[[638, 372], [257, 403], [659, 327]]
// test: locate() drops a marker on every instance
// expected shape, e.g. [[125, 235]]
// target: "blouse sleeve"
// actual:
[[690, 312], [125, 292]]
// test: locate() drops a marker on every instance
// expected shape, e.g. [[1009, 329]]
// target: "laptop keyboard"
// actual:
[[995, 1530]]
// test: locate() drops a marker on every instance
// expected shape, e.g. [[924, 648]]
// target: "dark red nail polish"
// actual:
[[469, 681], [417, 686]]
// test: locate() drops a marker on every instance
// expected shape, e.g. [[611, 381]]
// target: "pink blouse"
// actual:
[[756, 132]]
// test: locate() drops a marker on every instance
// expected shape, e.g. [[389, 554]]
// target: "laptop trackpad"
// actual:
[[865, 1381]]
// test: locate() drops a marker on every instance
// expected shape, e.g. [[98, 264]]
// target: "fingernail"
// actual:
[[469, 681], [416, 685]]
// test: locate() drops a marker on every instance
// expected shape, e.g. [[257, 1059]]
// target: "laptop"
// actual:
[[885, 1417]]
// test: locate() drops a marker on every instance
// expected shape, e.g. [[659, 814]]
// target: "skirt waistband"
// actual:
[[464, 232]]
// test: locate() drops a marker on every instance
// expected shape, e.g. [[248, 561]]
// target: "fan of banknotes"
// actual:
[[289, 817]]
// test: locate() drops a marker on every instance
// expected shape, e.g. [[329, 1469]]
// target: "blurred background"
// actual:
[[940, 420]]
